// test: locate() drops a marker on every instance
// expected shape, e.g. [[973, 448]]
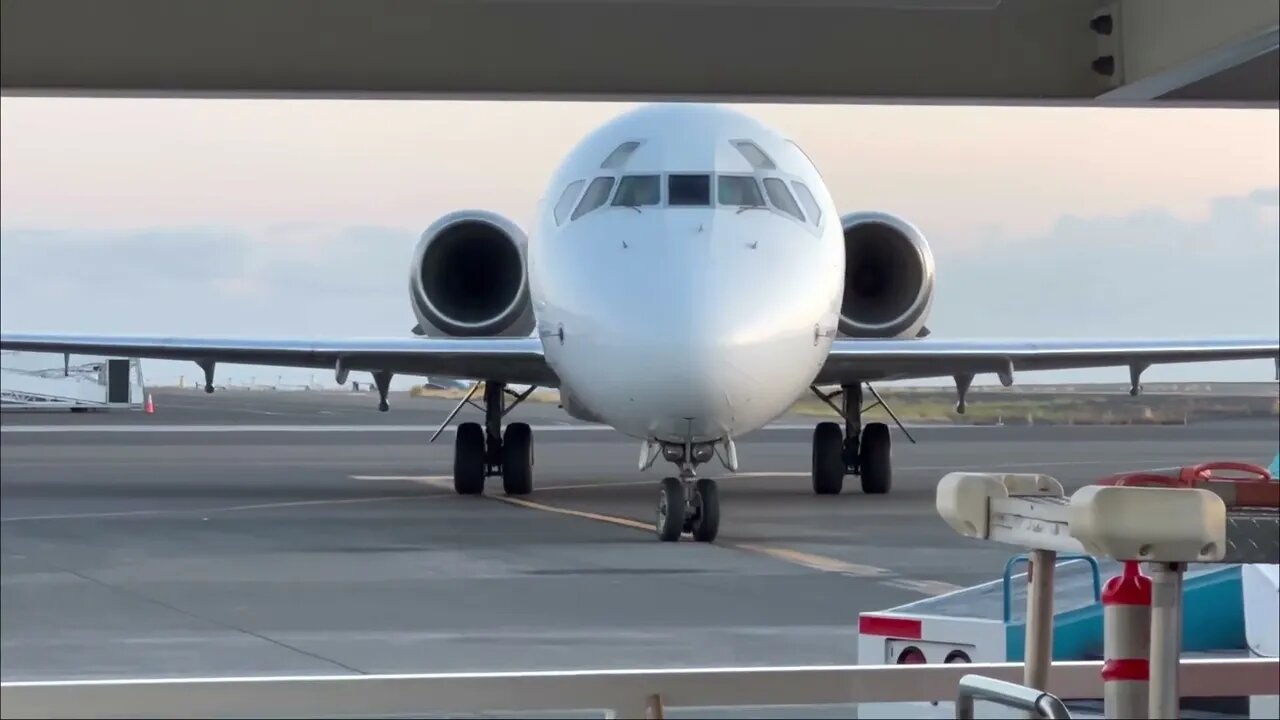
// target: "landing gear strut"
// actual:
[[686, 505], [482, 451], [857, 450]]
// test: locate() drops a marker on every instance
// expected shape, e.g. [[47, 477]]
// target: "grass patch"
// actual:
[[422, 391], [1011, 407]]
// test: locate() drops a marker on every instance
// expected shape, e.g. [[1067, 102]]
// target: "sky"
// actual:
[[297, 217]]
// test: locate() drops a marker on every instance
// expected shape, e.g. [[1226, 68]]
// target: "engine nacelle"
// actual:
[[888, 277], [468, 278]]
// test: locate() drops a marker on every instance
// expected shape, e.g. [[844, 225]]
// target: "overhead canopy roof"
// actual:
[[968, 51]]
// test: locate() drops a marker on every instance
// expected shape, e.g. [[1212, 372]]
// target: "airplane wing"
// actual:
[[512, 360], [852, 360]]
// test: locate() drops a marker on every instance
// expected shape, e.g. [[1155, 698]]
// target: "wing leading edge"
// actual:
[[521, 361], [512, 360], [863, 360]]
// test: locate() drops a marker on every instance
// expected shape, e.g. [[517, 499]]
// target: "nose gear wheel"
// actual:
[[685, 506]]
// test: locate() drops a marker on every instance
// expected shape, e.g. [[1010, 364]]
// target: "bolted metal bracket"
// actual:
[[207, 366], [963, 381], [1006, 374], [382, 380], [730, 457], [340, 372], [1135, 374], [649, 451], [819, 333], [558, 333], [1108, 55]]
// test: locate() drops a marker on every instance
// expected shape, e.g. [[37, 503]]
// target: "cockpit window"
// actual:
[[738, 191], [596, 195], [638, 190], [754, 155], [810, 204], [620, 155], [781, 198], [566, 199], [689, 190]]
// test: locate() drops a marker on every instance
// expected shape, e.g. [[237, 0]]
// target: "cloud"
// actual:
[[297, 280], [1266, 197], [1146, 273]]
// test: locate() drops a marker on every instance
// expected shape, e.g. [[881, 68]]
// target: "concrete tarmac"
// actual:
[[236, 550]]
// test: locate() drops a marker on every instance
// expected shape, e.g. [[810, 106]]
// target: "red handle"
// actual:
[[1146, 479], [1190, 475]]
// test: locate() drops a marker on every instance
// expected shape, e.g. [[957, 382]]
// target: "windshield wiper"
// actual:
[[744, 208]]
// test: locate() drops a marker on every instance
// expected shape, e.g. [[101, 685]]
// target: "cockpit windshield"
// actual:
[[738, 191], [781, 198], [744, 191], [597, 194], [811, 207], [689, 190], [639, 190]]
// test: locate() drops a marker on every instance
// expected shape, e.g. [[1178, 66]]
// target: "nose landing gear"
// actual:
[[686, 505]]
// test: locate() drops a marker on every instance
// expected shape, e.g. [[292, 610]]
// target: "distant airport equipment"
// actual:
[[1226, 527], [52, 381], [987, 623], [688, 275]]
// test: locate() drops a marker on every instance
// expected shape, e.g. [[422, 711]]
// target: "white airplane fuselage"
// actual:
[[686, 323]]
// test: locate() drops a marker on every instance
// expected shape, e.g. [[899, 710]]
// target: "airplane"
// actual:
[[688, 277]]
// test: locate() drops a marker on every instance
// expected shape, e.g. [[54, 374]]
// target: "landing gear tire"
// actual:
[[875, 460], [517, 459], [706, 511], [671, 504], [828, 462], [468, 459]]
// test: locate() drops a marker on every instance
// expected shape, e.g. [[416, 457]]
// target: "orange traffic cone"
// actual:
[[150, 406]]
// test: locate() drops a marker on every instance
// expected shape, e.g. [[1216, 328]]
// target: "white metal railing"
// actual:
[[626, 693], [1019, 697]]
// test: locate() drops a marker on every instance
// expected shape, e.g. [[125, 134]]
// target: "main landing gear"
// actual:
[[865, 452], [686, 504], [484, 450]]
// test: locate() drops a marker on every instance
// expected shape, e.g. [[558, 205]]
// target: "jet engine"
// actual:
[[888, 277], [468, 278]]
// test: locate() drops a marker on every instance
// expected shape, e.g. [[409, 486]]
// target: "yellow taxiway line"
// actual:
[[811, 561]]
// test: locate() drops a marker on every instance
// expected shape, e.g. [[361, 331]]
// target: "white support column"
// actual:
[[1039, 651]]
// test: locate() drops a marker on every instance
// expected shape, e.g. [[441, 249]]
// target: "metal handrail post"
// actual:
[[1163, 697], [1038, 703], [1039, 626]]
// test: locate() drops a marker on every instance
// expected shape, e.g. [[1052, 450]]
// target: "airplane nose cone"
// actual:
[[654, 345], [687, 331]]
